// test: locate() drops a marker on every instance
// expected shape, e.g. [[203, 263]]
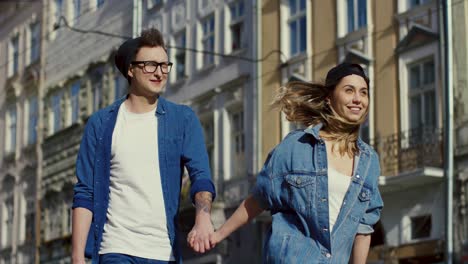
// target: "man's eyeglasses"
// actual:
[[152, 66]]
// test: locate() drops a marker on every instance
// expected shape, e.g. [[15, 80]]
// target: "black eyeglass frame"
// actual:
[[158, 65]]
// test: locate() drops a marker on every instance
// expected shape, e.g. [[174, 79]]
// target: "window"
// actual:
[[180, 41], [413, 3], [208, 40], [357, 14], [208, 130], [30, 221], [32, 120], [35, 37], [76, 10], [364, 131], [75, 101], [119, 86], [421, 226], [14, 55], [97, 83], [421, 94], [238, 144], [56, 112], [297, 26], [153, 3], [68, 223], [237, 25], [11, 121], [7, 225], [58, 10], [54, 222]]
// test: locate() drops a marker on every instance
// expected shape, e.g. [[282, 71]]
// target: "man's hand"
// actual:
[[199, 237], [78, 260]]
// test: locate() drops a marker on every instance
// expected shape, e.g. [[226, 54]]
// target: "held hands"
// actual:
[[199, 237], [215, 238], [202, 243]]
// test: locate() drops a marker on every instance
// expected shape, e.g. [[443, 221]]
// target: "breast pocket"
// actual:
[[301, 191], [362, 203]]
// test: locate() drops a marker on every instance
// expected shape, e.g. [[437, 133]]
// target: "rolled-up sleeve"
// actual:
[[263, 189], [372, 214], [195, 156], [83, 189]]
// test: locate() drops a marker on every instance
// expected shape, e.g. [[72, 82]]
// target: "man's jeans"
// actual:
[[112, 258]]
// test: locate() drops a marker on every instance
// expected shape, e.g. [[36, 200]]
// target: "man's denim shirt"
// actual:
[[293, 185], [180, 142]]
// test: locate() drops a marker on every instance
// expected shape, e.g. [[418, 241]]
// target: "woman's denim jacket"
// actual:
[[293, 185]]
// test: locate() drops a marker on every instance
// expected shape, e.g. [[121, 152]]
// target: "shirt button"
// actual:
[[298, 181], [324, 199], [328, 255], [357, 176]]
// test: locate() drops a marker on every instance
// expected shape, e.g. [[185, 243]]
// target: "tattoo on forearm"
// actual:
[[203, 202]]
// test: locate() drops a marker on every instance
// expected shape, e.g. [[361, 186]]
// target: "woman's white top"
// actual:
[[338, 184]]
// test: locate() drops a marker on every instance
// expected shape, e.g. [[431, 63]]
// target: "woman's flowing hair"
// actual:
[[306, 103]]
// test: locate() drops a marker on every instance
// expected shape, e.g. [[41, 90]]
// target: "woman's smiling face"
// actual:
[[350, 98]]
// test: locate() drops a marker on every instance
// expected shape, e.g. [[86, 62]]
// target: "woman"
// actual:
[[319, 183]]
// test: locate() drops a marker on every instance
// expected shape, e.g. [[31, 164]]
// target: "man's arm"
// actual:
[[360, 249], [199, 237], [81, 222], [83, 192]]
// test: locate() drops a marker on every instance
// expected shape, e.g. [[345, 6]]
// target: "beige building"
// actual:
[[397, 42]]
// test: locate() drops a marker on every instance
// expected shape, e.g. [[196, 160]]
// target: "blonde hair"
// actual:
[[306, 103]]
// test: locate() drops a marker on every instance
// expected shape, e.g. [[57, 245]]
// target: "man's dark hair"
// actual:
[[127, 51], [152, 38]]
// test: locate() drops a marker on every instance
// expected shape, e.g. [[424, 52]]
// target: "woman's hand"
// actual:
[[215, 238]]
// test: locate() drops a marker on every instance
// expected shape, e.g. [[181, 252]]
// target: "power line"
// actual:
[[99, 32], [83, 31]]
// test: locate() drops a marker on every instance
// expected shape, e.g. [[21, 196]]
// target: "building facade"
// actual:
[[19, 81], [230, 58]]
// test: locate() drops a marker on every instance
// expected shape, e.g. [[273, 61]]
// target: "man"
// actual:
[[130, 164]]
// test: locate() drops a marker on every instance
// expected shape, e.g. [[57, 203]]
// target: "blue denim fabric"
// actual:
[[293, 185], [180, 142], [112, 258]]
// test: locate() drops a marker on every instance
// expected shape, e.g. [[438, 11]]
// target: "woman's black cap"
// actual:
[[342, 70]]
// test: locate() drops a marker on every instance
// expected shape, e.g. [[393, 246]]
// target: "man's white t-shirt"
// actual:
[[136, 218]]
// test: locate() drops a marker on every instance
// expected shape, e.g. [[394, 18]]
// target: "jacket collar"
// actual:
[[314, 130], [160, 109]]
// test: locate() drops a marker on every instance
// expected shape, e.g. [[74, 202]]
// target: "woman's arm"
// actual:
[[246, 211], [360, 249]]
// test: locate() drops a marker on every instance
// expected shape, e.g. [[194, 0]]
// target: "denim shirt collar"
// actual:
[[160, 109], [314, 130]]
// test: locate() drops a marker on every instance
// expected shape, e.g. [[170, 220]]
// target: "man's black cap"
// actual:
[[125, 54]]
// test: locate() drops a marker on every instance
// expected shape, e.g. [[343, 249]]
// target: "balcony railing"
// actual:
[[410, 150]]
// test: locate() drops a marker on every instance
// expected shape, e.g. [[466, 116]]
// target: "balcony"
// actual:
[[413, 157]]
